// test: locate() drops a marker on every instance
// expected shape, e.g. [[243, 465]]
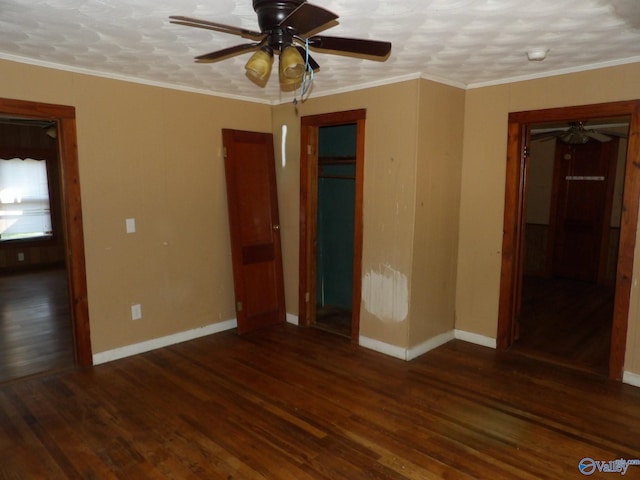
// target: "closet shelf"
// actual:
[[337, 160]]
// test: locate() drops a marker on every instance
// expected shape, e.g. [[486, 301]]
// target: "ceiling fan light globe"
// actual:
[[292, 65], [289, 84], [259, 65], [294, 72]]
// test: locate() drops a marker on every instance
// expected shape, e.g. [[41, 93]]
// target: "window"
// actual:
[[25, 211]]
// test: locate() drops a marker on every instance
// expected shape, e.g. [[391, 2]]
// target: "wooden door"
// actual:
[[255, 229], [584, 181]]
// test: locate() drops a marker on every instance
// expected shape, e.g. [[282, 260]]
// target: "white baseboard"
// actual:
[[146, 346], [475, 338], [386, 348], [434, 342], [631, 379], [426, 346], [405, 353], [291, 318]]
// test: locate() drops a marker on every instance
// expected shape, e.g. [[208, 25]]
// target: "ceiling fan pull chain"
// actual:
[[304, 87]]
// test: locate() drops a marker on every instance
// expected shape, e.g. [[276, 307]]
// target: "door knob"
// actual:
[[276, 226]]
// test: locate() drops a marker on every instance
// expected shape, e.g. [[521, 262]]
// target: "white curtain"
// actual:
[[24, 199]]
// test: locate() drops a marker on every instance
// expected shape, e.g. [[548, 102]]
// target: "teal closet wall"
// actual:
[[336, 201]]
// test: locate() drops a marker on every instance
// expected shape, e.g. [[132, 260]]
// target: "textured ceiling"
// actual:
[[467, 43]]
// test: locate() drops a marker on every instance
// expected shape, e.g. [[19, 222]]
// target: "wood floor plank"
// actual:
[[295, 403], [567, 321], [35, 323]]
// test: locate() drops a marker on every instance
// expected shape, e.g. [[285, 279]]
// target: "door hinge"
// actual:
[[238, 306], [525, 151], [307, 297], [309, 149], [224, 152]]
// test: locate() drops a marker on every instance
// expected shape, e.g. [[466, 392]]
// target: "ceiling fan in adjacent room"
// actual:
[[288, 28], [49, 126], [577, 133]]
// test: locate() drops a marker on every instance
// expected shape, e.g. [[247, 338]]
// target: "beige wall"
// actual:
[[439, 164], [540, 181], [389, 197], [413, 149], [154, 154], [288, 180], [151, 154], [483, 177]]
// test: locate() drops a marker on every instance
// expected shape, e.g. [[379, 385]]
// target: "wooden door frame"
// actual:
[[513, 233], [65, 118], [309, 134]]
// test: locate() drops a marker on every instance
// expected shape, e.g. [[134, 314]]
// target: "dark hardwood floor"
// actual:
[[35, 325], [567, 321], [299, 403]]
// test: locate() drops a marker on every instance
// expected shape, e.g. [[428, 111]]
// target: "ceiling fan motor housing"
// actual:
[[285, 26], [271, 12]]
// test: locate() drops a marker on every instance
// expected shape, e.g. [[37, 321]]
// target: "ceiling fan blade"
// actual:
[[373, 48], [600, 137], [312, 63], [219, 27], [611, 133], [307, 18], [620, 135], [548, 135], [227, 52]]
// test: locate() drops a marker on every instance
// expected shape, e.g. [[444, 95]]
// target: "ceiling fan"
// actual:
[[49, 126], [287, 28], [577, 133]]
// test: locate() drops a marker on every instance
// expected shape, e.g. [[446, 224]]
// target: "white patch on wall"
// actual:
[[386, 294], [283, 146]]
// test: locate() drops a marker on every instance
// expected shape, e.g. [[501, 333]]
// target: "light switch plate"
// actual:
[[136, 311]]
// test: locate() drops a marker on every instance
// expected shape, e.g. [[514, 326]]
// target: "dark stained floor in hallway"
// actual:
[[567, 322], [35, 325]]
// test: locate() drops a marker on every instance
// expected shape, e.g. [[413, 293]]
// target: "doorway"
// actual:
[[512, 286], [571, 232], [335, 223], [62, 287], [331, 185]]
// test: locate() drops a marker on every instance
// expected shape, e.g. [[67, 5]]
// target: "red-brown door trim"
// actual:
[[65, 117], [309, 208]]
